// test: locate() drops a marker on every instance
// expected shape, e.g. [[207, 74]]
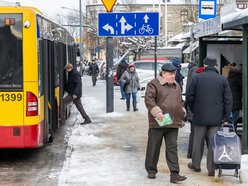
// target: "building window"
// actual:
[[242, 6], [161, 23], [169, 35], [184, 16], [196, 13], [152, 10], [169, 18]]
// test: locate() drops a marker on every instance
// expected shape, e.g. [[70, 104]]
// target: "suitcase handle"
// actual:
[[229, 125]]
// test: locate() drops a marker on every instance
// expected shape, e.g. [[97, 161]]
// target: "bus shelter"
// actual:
[[230, 47]]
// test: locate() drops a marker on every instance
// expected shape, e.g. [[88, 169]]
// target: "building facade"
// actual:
[[242, 4]]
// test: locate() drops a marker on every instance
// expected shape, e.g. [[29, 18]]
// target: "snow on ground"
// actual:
[[111, 150]]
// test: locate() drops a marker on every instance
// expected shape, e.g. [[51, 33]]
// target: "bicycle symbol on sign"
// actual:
[[144, 29]]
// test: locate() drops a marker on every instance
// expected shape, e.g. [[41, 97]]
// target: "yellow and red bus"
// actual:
[[33, 52]]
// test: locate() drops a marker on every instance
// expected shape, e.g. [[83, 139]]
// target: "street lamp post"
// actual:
[[80, 24], [165, 25], [80, 31]]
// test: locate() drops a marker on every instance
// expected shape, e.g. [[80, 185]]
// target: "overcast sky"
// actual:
[[50, 7], [53, 7]]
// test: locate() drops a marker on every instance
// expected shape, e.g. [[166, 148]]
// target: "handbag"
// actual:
[[126, 84]]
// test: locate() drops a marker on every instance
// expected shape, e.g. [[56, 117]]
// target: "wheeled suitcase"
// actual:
[[227, 152]]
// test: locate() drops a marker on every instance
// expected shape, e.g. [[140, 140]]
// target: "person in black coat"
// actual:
[[192, 66], [179, 77], [121, 68], [74, 89], [94, 71], [210, 99], [235, 81]]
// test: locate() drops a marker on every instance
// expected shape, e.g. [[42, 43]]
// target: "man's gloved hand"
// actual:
[[138, 89]]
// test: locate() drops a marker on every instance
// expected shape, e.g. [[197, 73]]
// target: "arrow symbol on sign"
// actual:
[[146, 18], [123, 26], [108, 28]]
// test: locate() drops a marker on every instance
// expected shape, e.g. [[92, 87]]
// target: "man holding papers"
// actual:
[[163, 100]]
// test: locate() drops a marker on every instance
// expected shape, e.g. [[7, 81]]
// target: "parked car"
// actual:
[[115, 78], [102, 69], [144, 68], [184, 72]]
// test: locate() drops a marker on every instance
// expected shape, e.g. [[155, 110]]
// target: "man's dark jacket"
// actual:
[[209, 97], [122, 67], [74, 83], [235, 81], [94, 69]]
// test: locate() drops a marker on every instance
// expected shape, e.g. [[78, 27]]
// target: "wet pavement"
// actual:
[[36, 167]]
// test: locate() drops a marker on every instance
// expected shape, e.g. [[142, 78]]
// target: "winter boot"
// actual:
[[86, 121], [128, 105], [135, 106]]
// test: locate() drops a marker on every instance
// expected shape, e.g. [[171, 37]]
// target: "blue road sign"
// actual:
[[128, 24], [207, 9]]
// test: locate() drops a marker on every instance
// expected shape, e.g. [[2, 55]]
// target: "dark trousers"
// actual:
[[191, 140], [155, 137], [202, 133], [235, 118], [94, 79], [78, 104]]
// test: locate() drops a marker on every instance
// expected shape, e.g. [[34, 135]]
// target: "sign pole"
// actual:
[[109, 63], [155, 57], [123, 24], [81, 36], [109, 79]]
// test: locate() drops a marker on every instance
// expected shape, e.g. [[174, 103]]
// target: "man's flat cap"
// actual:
[[210, 61], [168, 67]]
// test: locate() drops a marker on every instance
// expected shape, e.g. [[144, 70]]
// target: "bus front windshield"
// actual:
[[11, 65]]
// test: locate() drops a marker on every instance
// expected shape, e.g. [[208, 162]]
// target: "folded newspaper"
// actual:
[[166, 120]]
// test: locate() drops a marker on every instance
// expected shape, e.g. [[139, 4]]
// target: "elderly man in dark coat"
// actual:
[[164, 97], [209, 97], [74, 89], [192, 66]]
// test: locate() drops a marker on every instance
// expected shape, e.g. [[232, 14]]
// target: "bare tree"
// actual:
[[66, 20], [129, 5]]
